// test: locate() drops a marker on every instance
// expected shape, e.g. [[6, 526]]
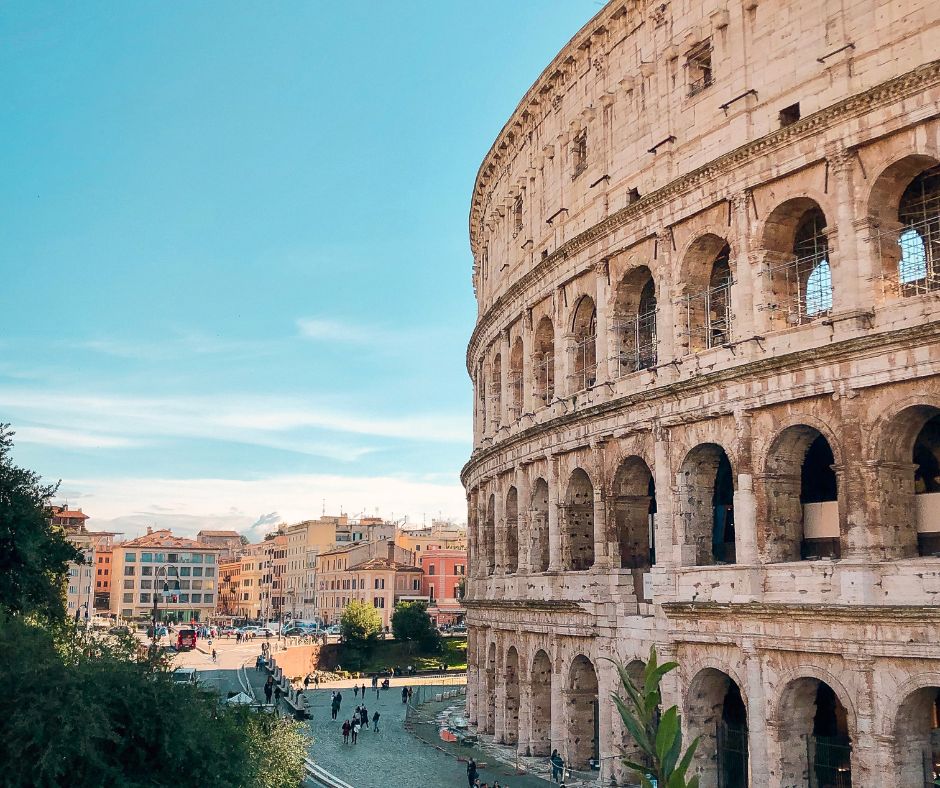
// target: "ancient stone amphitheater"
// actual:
[[707, 411]]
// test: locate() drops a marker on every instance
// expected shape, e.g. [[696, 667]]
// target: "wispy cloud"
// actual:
[[334, 331], [183, 341], [256, 506], [76, 439]]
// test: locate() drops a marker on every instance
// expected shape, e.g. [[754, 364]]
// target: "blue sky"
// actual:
[[233, 246]]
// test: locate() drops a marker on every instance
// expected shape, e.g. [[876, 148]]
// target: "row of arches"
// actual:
[[799, 494], [811, 715], [795, 250]]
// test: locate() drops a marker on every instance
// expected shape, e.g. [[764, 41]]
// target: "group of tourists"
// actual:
[[359, 722], [473, 777]]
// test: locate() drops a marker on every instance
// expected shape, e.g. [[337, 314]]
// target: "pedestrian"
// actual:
[[558, 766], [277, 693], [375, 722], [472, 772], [268, 691], [316, 680], [213, 655], [346, 729], [355, 730], [306, 682], [339, 699], [356, 690], [410, 693], [404, 694], [364, 716], [376, 691]]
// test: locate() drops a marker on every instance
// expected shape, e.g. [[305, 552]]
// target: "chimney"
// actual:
[[149, 530], [391, 550]]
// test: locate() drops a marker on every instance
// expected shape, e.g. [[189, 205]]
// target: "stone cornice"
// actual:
[[528, 605], [781, 363], [764, 611], [812, 125]]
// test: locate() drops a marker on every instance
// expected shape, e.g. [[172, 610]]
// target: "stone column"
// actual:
[[504, 397], [523, 536], [602, 339], [528, 387], [665, 319], [851, 482], [554, 529], [607, 682], [865, 748], [525, 705], [559, 713], [564, 385], [602, 562], [851, 269], [756, 709], [745, 504], [745, 292], [667, 545], [499, 695], [499, 526]]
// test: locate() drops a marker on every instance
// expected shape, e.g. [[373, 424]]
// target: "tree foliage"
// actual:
[[659, 736], [360, 623], [84, 709], [411, 623], [34, 554]]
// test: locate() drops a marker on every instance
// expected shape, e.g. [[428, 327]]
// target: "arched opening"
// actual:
[[707, 500], [707, 303], [512, 531], [541, 741], [489, 712], [802, 497], [716, 713], [543, 361], [581, 706], [489, 536], [578, 544], [917, 737], [515, 379], [496, 391], [814, 736], [634, 322], [538, 527], [905, 208], [584, 328], [635, 516], [796, 240], [511, 728], [910, 482]]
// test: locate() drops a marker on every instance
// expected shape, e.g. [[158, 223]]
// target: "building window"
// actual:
[[130, 557], [789, 115], [416, 585], [128, 599], [145, 598], [459, 569], [128, 584], [699, 66], [207, 598], [184, 598], [146, 571], [579, 153], [517, 216], [431, 570], [197, 571], [196, 598]]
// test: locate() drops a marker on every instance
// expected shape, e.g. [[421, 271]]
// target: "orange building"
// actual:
[[444, 572]]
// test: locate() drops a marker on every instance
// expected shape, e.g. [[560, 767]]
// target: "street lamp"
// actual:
[[166, 590]]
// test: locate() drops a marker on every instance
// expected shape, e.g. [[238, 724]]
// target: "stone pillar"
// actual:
[[602, 562], [607, 682], [524, 534], [554, 528], [499, 526], [851, 482], [756, 709], [665, 320], [523, 745], [504, 395], [745, 503], [850, 265], [865, 748], [602, 339], [499, 695], [564, 385], [528, 387], [745, 292], [559, 712], [667, 545]]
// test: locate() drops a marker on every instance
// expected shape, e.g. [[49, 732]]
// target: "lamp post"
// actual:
[[166, 591]]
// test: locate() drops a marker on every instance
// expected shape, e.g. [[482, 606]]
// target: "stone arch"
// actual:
[[706, 499], [515, 378], [801, 491], [584, 348], [916, 732], [539, 556], [815, 725], [512, 530], [489, 536], [706, 304], [578, 511], [904, 207], [909, 480], [633, 321], [795, 239], [540, 742], [511, 716], [488, 713], [634, 501], [716, 711], [581, 712], [543, 360]]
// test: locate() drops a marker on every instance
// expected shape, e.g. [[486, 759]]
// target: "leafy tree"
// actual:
[[411, 623], [34, 554], [659, 736], [360, 623]]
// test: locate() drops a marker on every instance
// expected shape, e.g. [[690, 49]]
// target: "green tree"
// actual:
[[34, 554], [411, 623], [659, 736], [360, 623]]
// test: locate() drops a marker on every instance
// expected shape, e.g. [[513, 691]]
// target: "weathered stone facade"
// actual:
[[707, 411]]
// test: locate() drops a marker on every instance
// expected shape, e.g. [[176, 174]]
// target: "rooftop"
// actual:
[[383, 563], [164, 538]]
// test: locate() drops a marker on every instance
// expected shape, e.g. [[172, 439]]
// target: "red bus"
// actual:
[[186, 639]]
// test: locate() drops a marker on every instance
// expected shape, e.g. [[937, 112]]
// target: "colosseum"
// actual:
[[707, 408]]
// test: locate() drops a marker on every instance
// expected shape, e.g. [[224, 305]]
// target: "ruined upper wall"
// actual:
[[627, 107]]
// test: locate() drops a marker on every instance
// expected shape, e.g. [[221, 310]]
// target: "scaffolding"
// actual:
[[636, 343], [515, 394], [802, 283], [708, 316], [584, 364], [544, 364]]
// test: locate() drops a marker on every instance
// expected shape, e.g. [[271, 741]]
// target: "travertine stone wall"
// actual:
[[707, 411]]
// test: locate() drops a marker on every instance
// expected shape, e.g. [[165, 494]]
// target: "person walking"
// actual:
[[306, 683], [355, 730], [364, 717], [404, 694], [558, 766], [355, 690], [375, 722], [269, 689], [346, 729], [472, 773], [214, 658]]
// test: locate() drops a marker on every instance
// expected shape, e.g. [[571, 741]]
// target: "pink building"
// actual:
[[444, 571]]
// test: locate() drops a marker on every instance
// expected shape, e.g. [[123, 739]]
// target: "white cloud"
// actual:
[[255, 506], [74, 439], [333, 331]]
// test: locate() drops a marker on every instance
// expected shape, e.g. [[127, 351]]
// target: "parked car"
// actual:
[[185, 676], [119, 630], [265, 632], [335, 629]]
